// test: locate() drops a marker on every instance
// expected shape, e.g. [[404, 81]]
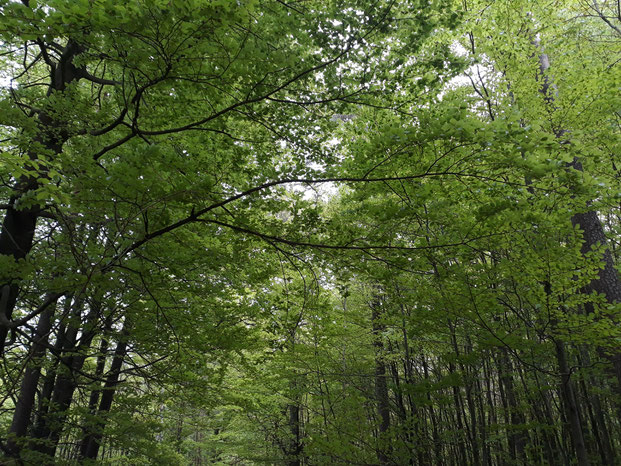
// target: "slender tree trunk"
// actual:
[[404, 418], [594, 408], [572, 412], [67, 380], [493, 445], [411, 418], [91, 443], [607, 282], [49, 380], [486, 460], [437, 445], [517, 440], [381, 386], [471, 428], [295, 447], [30, 381], [97, 390], [18, 226]]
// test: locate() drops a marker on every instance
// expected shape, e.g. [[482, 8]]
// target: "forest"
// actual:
[[310, 232]]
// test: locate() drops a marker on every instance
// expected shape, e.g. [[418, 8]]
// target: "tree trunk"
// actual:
[[66, 381], [516, 437], [91, 443], [381, 386], [568, 395], [97, 390], [594, 409], [471, 429], [18, 226], [607, 282], [295, 447], [437, 445], [26, 400]]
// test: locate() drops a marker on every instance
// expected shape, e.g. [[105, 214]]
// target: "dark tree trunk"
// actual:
[[412, 418], [295, 447], [94, 397], [51, 425], [459, 415], [596, 415], [381, 386], [570, 404], [516, 437], [471, 428], [18, 226], [89, 448], [49, 381], [607, 282], [437, 445], [26, 400]]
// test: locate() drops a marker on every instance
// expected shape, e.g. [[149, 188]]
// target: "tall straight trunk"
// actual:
[[594, 409], [459, 416], [293, 450], [471, 428], [45, 394], [487, 459], [65, 343], [493, 445], [594, 441], [295, 446], [26, 399], [404, 418], [570, 404], [67, 381], [437, 445], [18, 226], [607, 282], [94, 397], [475, 394], [91, 443], [472, 411], [412, 419], [381, 386], [516, 437], [542, 411]]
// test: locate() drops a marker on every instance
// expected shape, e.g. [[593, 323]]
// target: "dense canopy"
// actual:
[[310, 232]]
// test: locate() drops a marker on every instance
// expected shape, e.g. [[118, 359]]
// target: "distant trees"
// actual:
[[171, 291]]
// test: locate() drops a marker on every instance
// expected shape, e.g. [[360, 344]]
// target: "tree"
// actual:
[[140, 129], [173, 290]]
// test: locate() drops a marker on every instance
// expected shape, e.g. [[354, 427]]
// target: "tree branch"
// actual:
[[605, 18], [10, 324], [343, 247], [248, 101], [196, 214], [82, 73]]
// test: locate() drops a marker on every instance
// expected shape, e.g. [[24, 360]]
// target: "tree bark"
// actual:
[[95, 395], [295, 447], [18, 226], [381, 386], [570, 404], [89, 448], [516, 437], [30, 380], [66, 382], [607, 282]]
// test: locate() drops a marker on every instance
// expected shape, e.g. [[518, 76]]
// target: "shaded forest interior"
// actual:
[[310, 232]]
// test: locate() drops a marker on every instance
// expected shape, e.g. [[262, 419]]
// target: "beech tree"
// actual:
[[134, 130], [282, 232]]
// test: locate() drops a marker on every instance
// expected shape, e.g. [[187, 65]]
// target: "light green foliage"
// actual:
[[169, 150]]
